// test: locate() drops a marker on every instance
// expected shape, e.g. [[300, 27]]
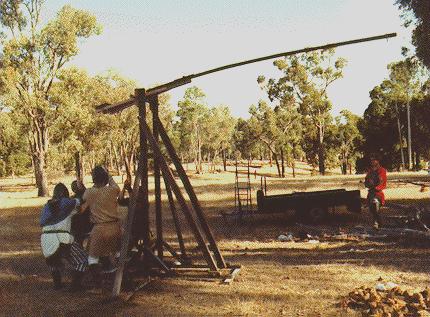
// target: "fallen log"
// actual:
[[408, 234], [405, 181]]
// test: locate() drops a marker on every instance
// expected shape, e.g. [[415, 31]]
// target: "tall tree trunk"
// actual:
[[106, 159], [199, 156], [209, 162], [40, 176], [399, 128], [293, 166], [135, 156], [127, 158], [408, 113], [282, 163], [91, 162], [38, 140], [344, 168], [344, 165], [79, 166], [224, 160], [214, 160], [417, 160], [128, 167], [270, 158], [117, 159], [321, 150], [111, 166], [275, 156]]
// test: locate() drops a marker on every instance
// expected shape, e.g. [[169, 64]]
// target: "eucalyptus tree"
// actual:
[[220, 129], [379, 129], [349, 137], [406, 83], [418, 12], [306, 78], [82, 133], [245, 139], [33, 55], [14, 159], [278, 128], [193, 115]]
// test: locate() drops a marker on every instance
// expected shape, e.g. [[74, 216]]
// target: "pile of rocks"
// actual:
[[395, 302]]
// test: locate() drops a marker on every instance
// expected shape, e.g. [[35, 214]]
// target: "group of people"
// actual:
[[66, 221]]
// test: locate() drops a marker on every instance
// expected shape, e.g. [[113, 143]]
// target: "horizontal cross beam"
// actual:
[[107, 108]]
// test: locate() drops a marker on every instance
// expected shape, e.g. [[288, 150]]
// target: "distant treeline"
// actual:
[[48, 123]]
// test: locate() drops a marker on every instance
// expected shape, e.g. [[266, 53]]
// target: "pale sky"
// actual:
[[156, 41]]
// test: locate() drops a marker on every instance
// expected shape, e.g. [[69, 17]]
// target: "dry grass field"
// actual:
[[277, 278]]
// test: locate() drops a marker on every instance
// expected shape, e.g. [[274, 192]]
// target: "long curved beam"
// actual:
[[107, 108]]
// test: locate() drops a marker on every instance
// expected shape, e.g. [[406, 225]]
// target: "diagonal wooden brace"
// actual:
[[193, 198], [167, 173]]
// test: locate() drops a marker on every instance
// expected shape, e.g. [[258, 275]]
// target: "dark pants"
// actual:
[[81, 226], [72, 253], [374, 205]]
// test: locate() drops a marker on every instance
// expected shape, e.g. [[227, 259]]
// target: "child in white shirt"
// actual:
[[56, 240]]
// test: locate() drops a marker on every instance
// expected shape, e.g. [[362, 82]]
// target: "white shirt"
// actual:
[[50, 242]]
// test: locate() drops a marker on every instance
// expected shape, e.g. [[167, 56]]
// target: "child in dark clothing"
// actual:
[[81, 224]]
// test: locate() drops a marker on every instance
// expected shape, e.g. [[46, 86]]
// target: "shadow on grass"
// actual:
[[25, 278], [380, 255], [19, 228]]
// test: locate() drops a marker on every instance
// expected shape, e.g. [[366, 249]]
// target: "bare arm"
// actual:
[[85, 201], [113, 184], [126, 188], [84, 206]]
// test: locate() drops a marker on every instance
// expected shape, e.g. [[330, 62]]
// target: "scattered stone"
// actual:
[[391, 285], [286, 237], [313, 241], [388, 300]]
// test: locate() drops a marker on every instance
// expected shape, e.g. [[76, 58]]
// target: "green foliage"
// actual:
[[278, 128], [421, 18], [59, 38], [14, 159], [420, 111], [385, 120], [193, 115], [244, 139], [202, 131], [33, 56], [348, 138], [220, 129], [405, 80], [304, 82], [379, 129]]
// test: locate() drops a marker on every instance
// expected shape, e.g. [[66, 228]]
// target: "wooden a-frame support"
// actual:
[[196, 220], [194, 215]]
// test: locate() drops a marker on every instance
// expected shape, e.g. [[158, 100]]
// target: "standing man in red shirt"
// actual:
[[376, 182]]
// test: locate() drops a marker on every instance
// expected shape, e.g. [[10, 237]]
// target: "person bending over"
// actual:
[[106, 233], [56, 239], [376, 182]]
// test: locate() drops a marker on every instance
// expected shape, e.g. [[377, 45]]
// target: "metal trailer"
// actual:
[[312, 206]]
